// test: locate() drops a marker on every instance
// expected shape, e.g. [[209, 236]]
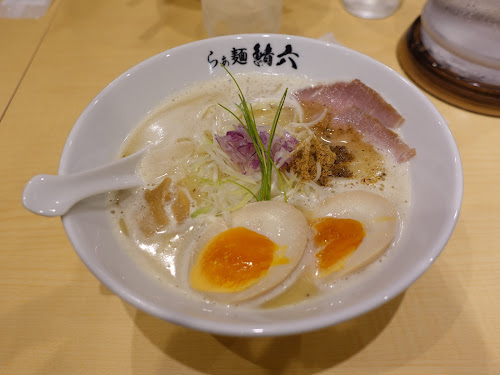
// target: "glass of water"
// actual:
[[225, 17], [371, 9]]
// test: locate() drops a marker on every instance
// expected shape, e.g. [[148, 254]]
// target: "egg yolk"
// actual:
[[233, 261], [337, 238]]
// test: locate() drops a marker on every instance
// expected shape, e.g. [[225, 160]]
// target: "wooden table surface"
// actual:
[[55, 316]]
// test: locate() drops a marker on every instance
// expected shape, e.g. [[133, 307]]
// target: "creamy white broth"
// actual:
[[175, 131]]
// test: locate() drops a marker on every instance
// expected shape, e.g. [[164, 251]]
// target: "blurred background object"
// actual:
[[371, 9], [225, 17], [23, 8], [453, 51]]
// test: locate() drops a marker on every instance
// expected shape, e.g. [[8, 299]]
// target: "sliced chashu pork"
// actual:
[[373, 132], [357, 105], [340, 96]]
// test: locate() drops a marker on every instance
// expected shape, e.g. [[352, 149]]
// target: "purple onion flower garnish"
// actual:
[[238, 145]]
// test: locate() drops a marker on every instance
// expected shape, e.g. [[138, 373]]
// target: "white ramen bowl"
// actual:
[[435, 175]]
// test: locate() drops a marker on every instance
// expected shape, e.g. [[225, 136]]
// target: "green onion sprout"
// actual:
[[264, 154]]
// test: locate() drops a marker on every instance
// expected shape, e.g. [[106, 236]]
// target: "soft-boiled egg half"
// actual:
[[257, 251], [349, 231]]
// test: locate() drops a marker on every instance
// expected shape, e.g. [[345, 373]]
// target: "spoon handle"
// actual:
[[50, 195]]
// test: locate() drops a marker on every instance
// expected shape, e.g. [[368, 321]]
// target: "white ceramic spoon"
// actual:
[[50, 195]]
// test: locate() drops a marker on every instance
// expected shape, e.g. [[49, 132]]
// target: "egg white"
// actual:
[[282, 223], [378, 217]]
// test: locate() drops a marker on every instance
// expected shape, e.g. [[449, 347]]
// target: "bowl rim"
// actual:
[[268, 329]]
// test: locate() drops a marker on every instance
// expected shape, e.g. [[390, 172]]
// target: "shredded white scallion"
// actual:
[[318, 172], [220, 185]]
